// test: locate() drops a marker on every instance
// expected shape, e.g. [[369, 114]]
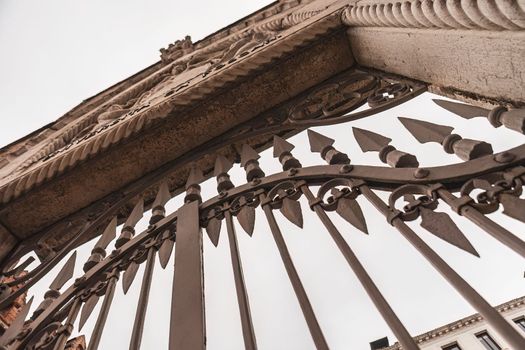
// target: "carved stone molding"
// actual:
[[444, 14], [178, 84], [92, 116]]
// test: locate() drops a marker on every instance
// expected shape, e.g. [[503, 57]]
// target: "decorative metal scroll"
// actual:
[[497, 180]]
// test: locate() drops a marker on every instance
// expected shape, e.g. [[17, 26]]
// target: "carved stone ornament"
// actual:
[[443, 14], [188, 72]]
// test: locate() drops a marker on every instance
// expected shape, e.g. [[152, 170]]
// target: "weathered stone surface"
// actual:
[[176, 135], [486, 63]]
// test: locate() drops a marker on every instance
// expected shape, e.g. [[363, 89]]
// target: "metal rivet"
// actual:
[[504, 157], [345, 168], [421, 173], [255, 181], [292, 171], [223, 194]]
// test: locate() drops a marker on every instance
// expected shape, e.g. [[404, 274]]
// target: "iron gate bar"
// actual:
[[248, 332], [142, 304], [96, 335], [157, 213], [493, 317], [65, 331], [362, 275], [187, 324], [494, 229], [295, 280]]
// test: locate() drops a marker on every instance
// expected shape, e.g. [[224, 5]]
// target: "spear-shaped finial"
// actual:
[[222, 166], [370, 141], [157, 208], [99, 251], [465, 149], [249, 162], [322, 144], [129, 226], [65, 274], [282, 150], [193, 189], [513, 119]]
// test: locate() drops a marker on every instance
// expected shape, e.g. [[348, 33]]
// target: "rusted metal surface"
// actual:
[[187, 325], [248, 332], [498, 177], [465, 149], [370, 141], [300, 292]]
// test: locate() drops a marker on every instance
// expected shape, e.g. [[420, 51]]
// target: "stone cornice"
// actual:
[[266, 41], [18, 156], [464, 322], [494, 15]]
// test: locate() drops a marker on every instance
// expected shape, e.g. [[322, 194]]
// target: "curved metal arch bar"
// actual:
[[343, 117], [452, 176]]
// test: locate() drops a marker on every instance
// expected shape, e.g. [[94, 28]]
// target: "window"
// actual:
[[487, 341], [520, 322], [453, 346]]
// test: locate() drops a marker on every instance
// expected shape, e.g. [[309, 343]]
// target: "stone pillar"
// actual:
[[469, 50]]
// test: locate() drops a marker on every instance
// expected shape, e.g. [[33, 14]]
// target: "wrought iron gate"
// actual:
[[478, 186]]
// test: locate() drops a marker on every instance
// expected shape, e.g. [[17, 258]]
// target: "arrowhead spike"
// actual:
[[442, 226], [87, 309], [65, 274], [163, 195], [17, 324], [318, 142], [350, 210], [247, 154], [222, 165], [461, 109], [136, 214], [129, 276], [165, 251], [109, 234], [370, 141], [195, 177], [426, 132], [281, 146], [292, 211], [513, 206], [246, 218], [214, 229]]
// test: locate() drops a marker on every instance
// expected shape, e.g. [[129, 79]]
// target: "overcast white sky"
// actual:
[[54, 54]]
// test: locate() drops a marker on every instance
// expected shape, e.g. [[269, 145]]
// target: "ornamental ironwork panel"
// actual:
[[479, 185]]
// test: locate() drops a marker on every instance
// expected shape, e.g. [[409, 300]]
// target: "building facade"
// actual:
[[472, 332]]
